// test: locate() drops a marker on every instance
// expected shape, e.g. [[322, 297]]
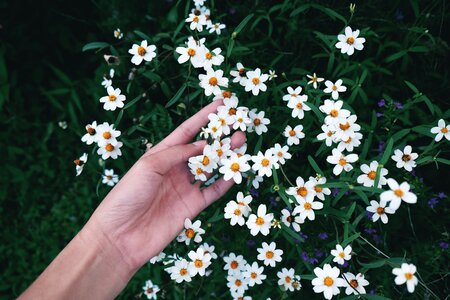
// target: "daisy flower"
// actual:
[[157, 258], [290, 219], [397, 194], [327, 281], [181, 271], [143, 52], [334, 88], [244, 203], [198, 170], [199, 262], [260, 222], [197, 21], [349, 42], [379, 211], [258, 122], [110, 150], [254, 274], [269, 255], [335, 112], [209, 249], [281, 153], [106, 82], [191, 231], [298, 106], [293, 134], [255, 81], [327, 135], [241, 120], [234, 264], [233, 212], [234, 167], [302, 190], [341, 161], [150, 290], [306, 208], [272, 74], [237, 283], [113, 100], [263, 163], [107, 134], [355, 284], [212, 58], [118, 34], [405, 159], [91, 135], [212, 81], [405, 274], [292, 93], [350, 143], [441, 131], [193, 52], [79, 163], [314, 80], [240, 75], [217, 28], [320, 191], [347, 128], [341, 255], [109, 178], [370, 173], [287, 278]]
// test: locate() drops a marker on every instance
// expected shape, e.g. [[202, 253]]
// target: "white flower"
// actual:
[[199, 262], [62, 125], [379, 210], [110, 150], [298, 106], [406, 274], [306, 208], [397, 194], [244, 203], [241, 120], [237, 283], [191, 231], [113, 100], [254, 274], [106, 82], [350, 41], [197, 21], [327, 135], [320, 191], [350, 143], [239, 75], [288, 280], [107, 134], [281, 153], [260, 222], [217, 27], [289, 219], [198, 170], [208, 162], [209, 249], [355, 284], [91, 135], [79, 163], [347, 128], [334, 88], [292, 93], [441, 131], [341, 255], [269, 255], [341, 161], [180, 271], [234, 264], [118, 34], [258, 122], [263, 163], [109, 178], [272, 74], [150, 290], [142, 52], [199, 2], [293, 134], [233, 211], [255, 81], [327, 281], [157, 258], [335, 112], [405, 159], [194, 51], [302, 190], [212, 58], [314, 80], [370, 173], [233, 167], [212, 81], [256, 180]]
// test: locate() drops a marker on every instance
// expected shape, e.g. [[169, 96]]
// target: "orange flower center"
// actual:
[[235, 167], [141, 51], [334, 113], [334, 88], [287, 279], [299, 106], [112, 97], [208, 55], [190, 233], [265, 162], [199, 171], [259, 221], [291, 132], [253, 275], [406, 157], [329, 133], [372, 175], [77, 162], [198, 263], [294, 95], [354, 283], [269, 254], [90, 130], [234, 264], [238, 282], [398, 192], [328, 281], [242, 72], [205, 160], [226, 94], [149, 290], [307, 206], [232, 111], [280, 154], [342, 255], [342, 162], [409, 276], [109, 177], [257, 122], [302, 191], [237, 212], [344, 126], [444, 130], [318, 189], [106, 135], [195, 19], [109, 147], [380, 210], [183, 271], [219, 152], [191, 52], [350, 40], [255, 80], [213, 81]]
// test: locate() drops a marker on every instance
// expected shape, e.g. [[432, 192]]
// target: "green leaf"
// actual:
[[396, 56], [350, 239], [399, 135], [387, 152], [143, 35], [177, 96], [119, 118], [243, 23], [94, 45], [314, 165], [132, 102], [443, 160], [299, 10], [412, 87]]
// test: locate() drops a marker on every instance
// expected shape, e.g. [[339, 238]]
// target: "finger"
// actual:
[[188, 129], [216, 190], [164, 160]]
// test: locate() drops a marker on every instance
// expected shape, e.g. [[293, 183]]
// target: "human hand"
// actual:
[[147, 208]]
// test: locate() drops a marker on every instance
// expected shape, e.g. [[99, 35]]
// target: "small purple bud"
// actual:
[[443, 245], [381, 103], [398, 105], [441, 195], [378, 114], [433, 202], [323, 236]]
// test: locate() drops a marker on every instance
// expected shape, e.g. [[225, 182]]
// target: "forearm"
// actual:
[[88, 268]]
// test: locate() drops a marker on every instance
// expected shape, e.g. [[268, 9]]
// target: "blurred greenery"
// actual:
[[46, 78]]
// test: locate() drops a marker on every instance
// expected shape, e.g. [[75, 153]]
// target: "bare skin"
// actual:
[[143, 213]]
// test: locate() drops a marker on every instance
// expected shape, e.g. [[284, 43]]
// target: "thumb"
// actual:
[[164, 160]]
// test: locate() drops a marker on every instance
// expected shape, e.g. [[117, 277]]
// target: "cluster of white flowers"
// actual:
[[105, 136], [200, 17]]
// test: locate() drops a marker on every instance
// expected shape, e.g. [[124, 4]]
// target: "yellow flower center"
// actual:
[[112, 97], [109, 147], [265, 162], [350, 40], [299, 105], [106, 135], [190, 233], [294, 95], [328, 281], [208, 55], [198, 263], [205, 160], [183, 271], [342, 255], [334, 113], [307, 205], [235, 167], [199, 171], [237, 212], [342, 162], [398, 192], [329, 133], [141, 51], [409, 276], [213, 81], [255, 80], [191, 52], [259, 221]]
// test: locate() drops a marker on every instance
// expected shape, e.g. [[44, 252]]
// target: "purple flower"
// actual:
[[433, 202], [413, 172], [443, 245], [305, 256], [378, 114], [303, 235], [322, 235], [345, 265], [398, 105], [335, 191], [370, 231], [381, 145], [373, 292], [313, 261], [381, 103], [369, 215], [318, 253], [273, 201], [254, 193], [251, 243], [441, 195]]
